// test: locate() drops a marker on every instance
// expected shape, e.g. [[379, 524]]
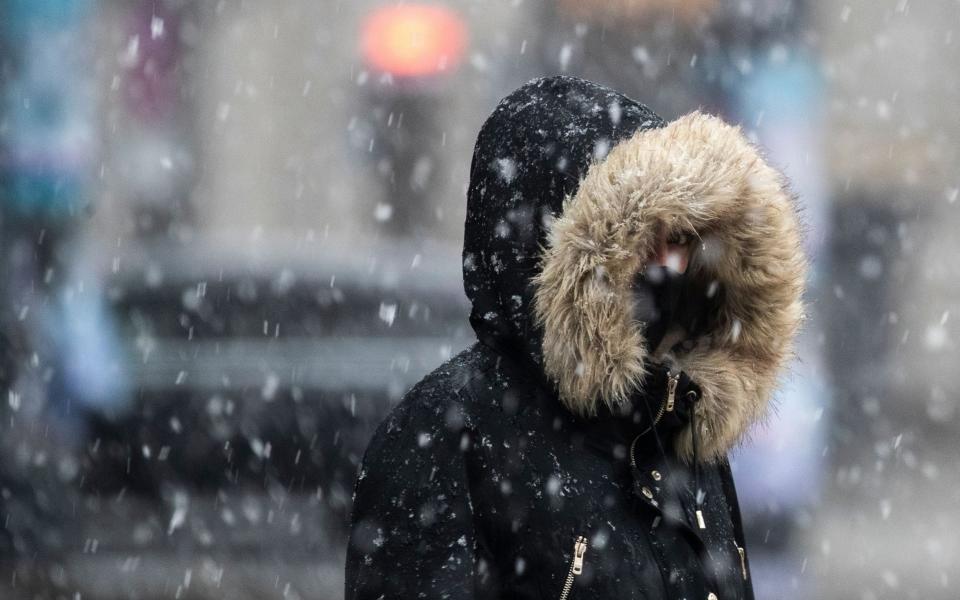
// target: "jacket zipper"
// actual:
[[743, 561], [576, 565], [672, 390], [666, 406]]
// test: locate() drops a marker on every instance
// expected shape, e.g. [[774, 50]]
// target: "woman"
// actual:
[[636, 286]]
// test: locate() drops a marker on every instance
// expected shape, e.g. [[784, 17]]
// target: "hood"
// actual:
[[569, 184]]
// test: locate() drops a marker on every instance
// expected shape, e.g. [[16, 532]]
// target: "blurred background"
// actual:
[[230, 240]]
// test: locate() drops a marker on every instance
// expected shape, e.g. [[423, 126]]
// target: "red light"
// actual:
[[413, 40]]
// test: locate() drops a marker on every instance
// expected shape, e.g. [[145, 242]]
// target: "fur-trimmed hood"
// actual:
[[569, 184]]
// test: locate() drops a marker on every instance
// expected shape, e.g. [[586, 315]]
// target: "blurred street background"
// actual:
[[230, 240]]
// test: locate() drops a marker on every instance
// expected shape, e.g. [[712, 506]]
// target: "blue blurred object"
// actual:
[[20, 16], [94, 372], [47, 141], [48, 154]]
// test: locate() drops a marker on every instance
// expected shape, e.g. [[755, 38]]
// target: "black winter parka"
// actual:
[[559, 456]]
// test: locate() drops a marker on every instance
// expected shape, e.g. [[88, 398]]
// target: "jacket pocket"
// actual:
[[576, 565]]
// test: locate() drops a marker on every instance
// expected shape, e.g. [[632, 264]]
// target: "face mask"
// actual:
[[657, 295], [665, 298]]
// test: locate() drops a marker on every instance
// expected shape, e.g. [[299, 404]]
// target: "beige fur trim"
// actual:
[[699, 175]]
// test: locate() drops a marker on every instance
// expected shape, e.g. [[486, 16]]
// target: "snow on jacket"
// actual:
[[557, 457]]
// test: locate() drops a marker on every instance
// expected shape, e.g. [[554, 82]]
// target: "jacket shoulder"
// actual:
[[441, 391], [433, 408]]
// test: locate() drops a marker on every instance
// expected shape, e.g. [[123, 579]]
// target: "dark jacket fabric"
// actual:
[[559, 456]]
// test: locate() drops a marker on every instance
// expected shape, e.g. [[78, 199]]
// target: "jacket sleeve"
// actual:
[[412, 532]]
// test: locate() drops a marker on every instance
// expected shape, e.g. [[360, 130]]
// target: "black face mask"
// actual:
[[657, 293], [665, 298]]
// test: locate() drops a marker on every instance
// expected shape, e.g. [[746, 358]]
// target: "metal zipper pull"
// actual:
[[672, 391], [579, 549], [743, 561], [576, 565]]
